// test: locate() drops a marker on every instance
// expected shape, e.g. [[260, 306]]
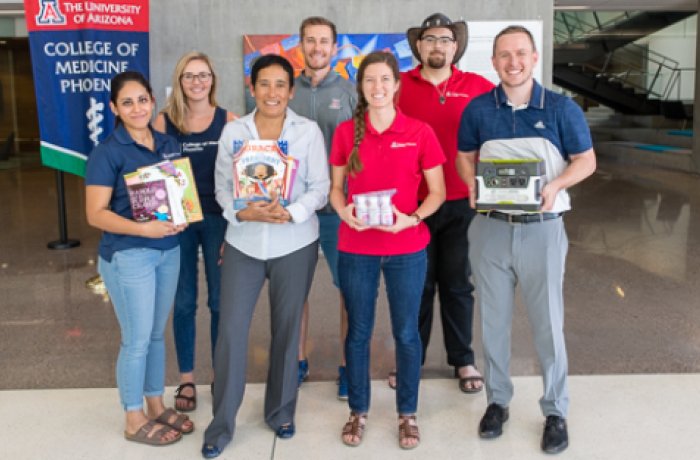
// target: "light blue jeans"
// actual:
[[141, 283]]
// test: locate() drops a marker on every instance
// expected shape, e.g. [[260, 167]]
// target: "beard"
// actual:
[[436, 61]]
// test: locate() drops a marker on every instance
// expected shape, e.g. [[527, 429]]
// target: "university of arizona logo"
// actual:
[[50, 13]]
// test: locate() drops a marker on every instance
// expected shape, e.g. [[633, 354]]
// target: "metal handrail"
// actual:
[[574, 22], [662, 68]]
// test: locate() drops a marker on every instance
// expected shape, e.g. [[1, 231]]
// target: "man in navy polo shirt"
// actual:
[[520, 119]]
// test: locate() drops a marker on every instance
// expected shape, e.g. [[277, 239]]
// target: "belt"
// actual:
[[522, 218]]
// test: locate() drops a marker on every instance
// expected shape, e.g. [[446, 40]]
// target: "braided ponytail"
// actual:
[[354, 162]]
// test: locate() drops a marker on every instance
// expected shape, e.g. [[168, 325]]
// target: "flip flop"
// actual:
[[176, 424], [191, 400], [156, 439]]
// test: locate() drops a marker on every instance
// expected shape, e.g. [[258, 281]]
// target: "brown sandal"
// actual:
[[408, 429], [354, 427], [190, 402], [176, 424], [156, 438]]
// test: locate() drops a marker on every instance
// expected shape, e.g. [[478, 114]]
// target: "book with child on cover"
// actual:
[[164, 191], [155, 199], [262, 170], [181, 170]]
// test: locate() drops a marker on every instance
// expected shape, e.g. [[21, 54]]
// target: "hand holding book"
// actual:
[[160, 228]]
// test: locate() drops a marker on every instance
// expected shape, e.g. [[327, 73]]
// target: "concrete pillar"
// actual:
[[696, 106]]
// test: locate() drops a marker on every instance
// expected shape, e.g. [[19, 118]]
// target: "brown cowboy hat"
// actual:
[[458, 28]]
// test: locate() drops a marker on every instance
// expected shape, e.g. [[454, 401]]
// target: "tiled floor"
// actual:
[[632, 307], [612, 417]]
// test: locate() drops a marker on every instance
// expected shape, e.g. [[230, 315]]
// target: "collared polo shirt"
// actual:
[[551, 128], [393, 159], [420, 98], [107, 164]]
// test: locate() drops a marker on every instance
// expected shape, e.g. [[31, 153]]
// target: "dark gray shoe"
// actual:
[[555, 437], [491, 425]]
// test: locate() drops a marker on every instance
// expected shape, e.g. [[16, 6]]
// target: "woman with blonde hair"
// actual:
[[380, 149], [193, 117]]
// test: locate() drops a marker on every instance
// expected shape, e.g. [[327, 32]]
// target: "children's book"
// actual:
[[262, 170], [157, 199], [181, 171]]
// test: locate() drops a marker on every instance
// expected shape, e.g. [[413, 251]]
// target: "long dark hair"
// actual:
[[121, 79], [354, 163]]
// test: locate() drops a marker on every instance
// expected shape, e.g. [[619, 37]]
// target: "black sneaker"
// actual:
[[491, 425], [555, 437]]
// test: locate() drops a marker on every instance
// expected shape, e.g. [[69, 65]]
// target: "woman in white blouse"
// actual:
[[266, 240]]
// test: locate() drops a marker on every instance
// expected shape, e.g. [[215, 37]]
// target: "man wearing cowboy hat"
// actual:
[[437, 92]]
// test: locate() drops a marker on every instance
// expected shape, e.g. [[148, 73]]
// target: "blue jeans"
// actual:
[[328, 237], [208, 233], [404, 276], [141, 283]]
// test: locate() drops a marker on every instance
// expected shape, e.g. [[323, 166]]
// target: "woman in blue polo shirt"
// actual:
[[139, 261]]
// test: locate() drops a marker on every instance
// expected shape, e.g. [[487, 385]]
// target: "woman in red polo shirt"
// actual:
[[382, 149]]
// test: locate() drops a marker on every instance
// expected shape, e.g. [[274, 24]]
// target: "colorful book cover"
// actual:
[[261, 171], [154, 200], [180, 170]]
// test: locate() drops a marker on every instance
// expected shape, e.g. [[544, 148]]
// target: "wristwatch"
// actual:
[[418, 218]]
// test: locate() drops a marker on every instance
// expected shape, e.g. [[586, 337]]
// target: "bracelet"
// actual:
[[418, 218]]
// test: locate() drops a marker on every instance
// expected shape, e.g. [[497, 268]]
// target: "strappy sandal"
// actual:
[[408, 429], [355, 427], [166, 418], [191, 401], [157, 438]]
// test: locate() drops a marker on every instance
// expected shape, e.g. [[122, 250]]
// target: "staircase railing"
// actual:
[[658, 77], [572, 26]]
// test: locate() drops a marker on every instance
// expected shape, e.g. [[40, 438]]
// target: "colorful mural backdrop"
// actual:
[[351, 49]]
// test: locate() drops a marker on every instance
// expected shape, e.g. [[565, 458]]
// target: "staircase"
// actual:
[[594, 56]]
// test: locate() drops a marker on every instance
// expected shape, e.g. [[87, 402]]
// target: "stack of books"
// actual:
[[164, 191]]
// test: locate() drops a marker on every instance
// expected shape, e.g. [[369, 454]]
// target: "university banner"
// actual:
[[77, 46]]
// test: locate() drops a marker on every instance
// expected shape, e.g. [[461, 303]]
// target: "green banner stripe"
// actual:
[[62, 161]]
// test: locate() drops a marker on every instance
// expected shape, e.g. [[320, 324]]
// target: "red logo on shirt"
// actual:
[[335, 104], [398, 145]]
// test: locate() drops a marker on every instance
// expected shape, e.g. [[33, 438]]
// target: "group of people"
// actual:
[[419, 134]]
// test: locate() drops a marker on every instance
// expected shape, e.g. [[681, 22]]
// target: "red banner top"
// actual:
[[120, 15]]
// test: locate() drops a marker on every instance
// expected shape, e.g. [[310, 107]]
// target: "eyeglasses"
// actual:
[[204, 77], [432, 40]]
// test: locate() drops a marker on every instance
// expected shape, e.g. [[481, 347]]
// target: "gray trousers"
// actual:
[[242, 278], [533, 254]]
